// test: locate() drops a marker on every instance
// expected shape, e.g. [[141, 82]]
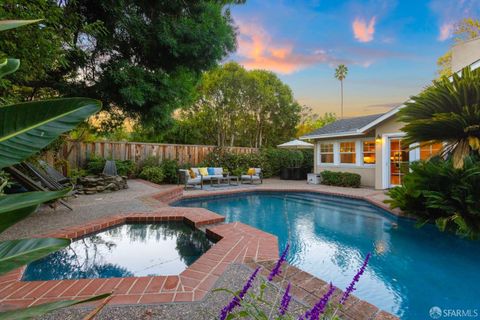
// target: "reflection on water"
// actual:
[[124, 251], [410, 271]]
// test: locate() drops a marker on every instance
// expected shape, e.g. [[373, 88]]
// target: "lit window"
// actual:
[[369, 152], [427, 151], [326, 153], [347, 152]]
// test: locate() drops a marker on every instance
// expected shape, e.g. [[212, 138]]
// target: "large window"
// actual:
[[326, 152], [427, 151], [369, 152], [347, 152]]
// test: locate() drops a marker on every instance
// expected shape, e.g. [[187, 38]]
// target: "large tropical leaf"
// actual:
[[26, 128], [16, 253], [11, 24], [41, 309], [8, 66], [15, 207]]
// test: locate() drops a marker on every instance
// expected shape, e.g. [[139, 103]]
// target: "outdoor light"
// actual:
[[378, 138]]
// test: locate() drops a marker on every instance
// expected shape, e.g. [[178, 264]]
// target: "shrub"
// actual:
[[96, 164], [170, 170], [152, 174], [125, 167], [341, 179], [435, 191]]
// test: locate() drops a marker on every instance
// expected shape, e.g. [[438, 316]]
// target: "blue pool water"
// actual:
[[124, 251], [411, 269]]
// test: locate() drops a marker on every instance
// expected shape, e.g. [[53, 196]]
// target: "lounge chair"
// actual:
[[257, 176], [188, 180]]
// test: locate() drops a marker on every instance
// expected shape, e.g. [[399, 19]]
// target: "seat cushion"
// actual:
[[194, 180], [248, 177], [218, 171]]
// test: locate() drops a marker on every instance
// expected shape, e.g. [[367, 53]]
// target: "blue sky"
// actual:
[[389, 46]]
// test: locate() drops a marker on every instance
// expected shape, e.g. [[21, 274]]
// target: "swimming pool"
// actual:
[[128, 250], [411, 270]]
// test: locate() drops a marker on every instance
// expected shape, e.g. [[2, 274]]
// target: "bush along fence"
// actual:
[[78, 153]]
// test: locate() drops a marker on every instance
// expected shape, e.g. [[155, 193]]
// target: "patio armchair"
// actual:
[[253, 174], [188, 180]]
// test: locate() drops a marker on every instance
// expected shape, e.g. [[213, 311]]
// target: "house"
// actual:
[[371, 145]]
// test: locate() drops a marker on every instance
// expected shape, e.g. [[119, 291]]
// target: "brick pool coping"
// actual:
[[237, 243]]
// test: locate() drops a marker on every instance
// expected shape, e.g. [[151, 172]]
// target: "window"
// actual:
[[369, 152], [427, 151], [326, 153], [347, 152]]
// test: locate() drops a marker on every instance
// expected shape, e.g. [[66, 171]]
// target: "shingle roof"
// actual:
[[344, 125]]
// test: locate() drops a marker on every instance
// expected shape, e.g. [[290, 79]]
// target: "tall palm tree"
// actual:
[[447, 112], [341, 73]]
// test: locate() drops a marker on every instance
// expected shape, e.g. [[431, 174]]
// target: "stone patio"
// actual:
[[144, 201]]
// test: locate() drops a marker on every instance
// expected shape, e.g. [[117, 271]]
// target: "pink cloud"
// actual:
[[362, 30], [446, 30], [257, 50]]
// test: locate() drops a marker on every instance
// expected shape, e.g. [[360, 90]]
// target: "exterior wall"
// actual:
[[371, 175], [388, 127], [366, 172], [465, 54]]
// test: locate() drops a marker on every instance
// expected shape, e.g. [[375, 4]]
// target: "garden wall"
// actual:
[[76, 153]]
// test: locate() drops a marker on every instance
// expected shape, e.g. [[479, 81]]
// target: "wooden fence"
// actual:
[[76, 153]]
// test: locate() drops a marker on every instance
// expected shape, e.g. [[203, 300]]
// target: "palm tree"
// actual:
[[447, 112], [341, 73]]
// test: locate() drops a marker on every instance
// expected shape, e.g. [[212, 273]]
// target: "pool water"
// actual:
[[411, 270], [124, 251]]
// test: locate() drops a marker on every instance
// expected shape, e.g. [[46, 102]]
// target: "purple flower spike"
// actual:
[[319, 307], [285, 301], [276, 270], [351, 286], [237, 299]]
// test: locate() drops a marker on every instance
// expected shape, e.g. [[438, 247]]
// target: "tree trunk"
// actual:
[[341, 94]]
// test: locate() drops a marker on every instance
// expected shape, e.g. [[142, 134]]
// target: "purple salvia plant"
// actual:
[[237, 299], [285, 301], [319, 307], [351, 286], [276, 270]]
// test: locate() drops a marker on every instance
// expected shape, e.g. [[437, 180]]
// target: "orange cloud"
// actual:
[[257, 50], [362, 30], [446, 30]]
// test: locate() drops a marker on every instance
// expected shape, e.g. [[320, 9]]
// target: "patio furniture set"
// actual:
[[217, 177]]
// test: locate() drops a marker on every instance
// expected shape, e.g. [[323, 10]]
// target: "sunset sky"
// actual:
[[390, 47]]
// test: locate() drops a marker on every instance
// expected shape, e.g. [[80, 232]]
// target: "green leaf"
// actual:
[[41, 309], [12, 24], [15, 207], [8, 66], [442, 223], [26, 128], [16, 253]]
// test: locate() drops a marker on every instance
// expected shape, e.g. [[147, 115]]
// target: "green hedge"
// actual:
[[271, 160], [340, 179]]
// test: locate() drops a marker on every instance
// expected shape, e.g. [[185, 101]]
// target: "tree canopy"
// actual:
[[142, 57], [239, 107], [465, 30]]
